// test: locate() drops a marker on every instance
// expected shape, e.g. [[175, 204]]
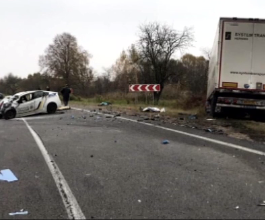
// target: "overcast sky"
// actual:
[[104, 27]]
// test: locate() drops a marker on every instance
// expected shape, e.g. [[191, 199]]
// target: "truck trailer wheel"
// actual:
[[213, 105]]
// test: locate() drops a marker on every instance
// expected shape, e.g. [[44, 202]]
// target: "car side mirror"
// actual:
[[19, 101]]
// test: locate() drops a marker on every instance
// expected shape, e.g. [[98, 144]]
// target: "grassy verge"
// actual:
[[121, 105]]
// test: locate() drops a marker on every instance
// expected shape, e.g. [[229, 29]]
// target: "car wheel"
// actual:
[[51, 109], [9, 114]]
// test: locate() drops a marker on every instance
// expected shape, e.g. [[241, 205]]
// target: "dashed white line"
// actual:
[[71, 205], [235, 146]]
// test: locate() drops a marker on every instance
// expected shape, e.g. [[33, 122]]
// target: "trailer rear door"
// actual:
[[236, 54], [258, 59]]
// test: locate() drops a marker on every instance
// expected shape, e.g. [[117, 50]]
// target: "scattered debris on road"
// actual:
[[64, 108], [210, 119], [165, 142], [237, 207], [262, 203], [21, 212], [193, 117], [104, 104], [7, 175], [139, 201], [152, 109]]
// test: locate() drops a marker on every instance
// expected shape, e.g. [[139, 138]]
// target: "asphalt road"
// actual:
[[119, 169]]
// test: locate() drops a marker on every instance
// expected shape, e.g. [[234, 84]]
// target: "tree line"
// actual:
[[149, 60]]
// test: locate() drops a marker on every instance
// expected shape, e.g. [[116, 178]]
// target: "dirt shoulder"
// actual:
[[241, 129]]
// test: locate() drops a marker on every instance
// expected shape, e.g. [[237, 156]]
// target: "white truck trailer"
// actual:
[[236, 77]]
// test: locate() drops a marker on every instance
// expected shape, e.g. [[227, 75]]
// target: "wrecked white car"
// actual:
[[29, 103]]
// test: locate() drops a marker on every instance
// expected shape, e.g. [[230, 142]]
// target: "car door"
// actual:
[[26, 104], [38, 97]]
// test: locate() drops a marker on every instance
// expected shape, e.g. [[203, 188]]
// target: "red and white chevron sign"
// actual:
[[144, 88]]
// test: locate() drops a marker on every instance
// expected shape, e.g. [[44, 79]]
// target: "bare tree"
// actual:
[[65, 59], [206, 52], [157, 44]]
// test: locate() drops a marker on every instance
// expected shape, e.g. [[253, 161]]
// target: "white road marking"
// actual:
[[37, 117], [190, 135], [71, 205]]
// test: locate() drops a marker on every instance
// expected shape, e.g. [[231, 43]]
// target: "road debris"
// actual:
[[210, 119], [152, 109], [209, 130], [104, 104], [7, 175], [64, 108], [237, 207], [165, 142], [261, 182], [193, 117], [262, 203], [72, 117], [21, 212], [139, 201]]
